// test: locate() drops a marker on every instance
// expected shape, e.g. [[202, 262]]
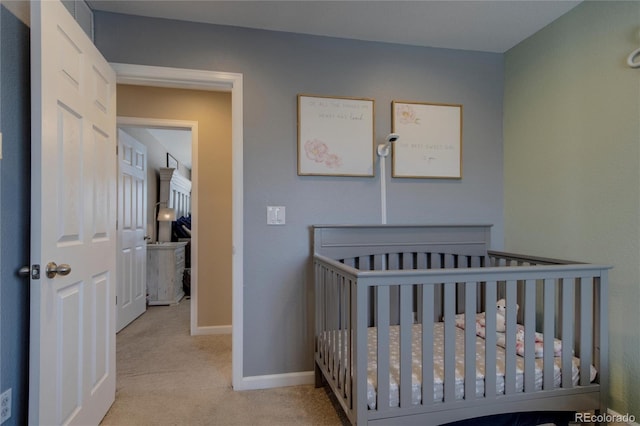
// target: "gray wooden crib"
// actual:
[[398, 307]]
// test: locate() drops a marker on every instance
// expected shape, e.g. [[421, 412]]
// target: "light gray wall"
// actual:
[[278, 66], [14, 202], [572, 150]]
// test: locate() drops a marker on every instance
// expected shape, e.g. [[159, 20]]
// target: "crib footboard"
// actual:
[[419, 336], [335, 328]]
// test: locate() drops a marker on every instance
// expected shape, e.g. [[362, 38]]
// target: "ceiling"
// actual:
[[177, 142], [490, 26]]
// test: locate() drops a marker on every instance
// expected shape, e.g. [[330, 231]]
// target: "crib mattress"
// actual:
[[438, 369]]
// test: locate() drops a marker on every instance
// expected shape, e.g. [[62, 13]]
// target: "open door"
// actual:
[[73, 223], [132, 225]]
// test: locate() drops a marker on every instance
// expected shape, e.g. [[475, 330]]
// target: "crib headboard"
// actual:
[[175, 191], [347, 241]]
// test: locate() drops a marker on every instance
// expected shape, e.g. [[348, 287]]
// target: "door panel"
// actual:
[[73, 166], [132, 246]]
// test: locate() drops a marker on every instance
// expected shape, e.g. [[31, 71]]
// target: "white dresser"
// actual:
[[165, 268]]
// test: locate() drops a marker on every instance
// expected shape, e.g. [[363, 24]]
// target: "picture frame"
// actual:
[[172, 162], [430, 144], [335, 136]]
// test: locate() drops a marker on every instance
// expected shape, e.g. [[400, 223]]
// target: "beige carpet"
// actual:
[[167, 377]]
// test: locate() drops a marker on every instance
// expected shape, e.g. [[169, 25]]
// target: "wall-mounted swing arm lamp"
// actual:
[[383, 152]]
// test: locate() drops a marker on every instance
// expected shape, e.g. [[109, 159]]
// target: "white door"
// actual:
[[73, 206], [131, 299]]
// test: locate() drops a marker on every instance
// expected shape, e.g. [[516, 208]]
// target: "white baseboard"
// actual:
[[276, 381], [213, 329], [615, 414]]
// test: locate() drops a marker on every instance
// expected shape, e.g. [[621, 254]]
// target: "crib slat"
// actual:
[[427, 344], [449, 261], [548, 331], [510, 338], [359, 302], [382, 314], [320, 307], [393, 263], [327, 337], [339, 331], [460, 287], [327, 332], [449, 342], [568, 313], [325, 325], [406, 334], [345, 366], [601, 322], [365, 263], [586, 313], [435, 262], [470, 341], [529, 335], [378, 263], [337, 326], [421, 263], [331, 322], [409, 262], [490, 346], [476, 262], [344, 330]]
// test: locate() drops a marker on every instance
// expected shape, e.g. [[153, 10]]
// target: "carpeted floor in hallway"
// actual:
[[167, 377]]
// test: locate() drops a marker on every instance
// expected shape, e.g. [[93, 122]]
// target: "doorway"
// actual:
[[210, 81], [157, 140]]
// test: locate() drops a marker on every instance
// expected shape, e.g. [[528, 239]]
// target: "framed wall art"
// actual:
[[335, 136], [172, 163], [430, 144]]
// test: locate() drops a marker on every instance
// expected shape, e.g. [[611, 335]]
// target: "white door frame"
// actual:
[[144, 75]]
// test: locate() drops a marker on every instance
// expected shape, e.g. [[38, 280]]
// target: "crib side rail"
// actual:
[[336, 330], [499, 258], [560, 300]]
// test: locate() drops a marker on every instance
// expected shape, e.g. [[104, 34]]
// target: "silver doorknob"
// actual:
[[53, 269], [24, 272]]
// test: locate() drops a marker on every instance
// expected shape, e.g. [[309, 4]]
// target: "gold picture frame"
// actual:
[[335, 136], [430, 144]]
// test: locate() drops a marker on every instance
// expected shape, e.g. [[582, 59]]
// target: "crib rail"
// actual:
[[559, 299], [499, 258]]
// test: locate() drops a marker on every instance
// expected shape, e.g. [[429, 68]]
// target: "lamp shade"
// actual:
[[166, 214]]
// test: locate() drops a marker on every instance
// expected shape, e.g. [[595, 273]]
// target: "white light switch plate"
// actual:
[[276, 215]]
